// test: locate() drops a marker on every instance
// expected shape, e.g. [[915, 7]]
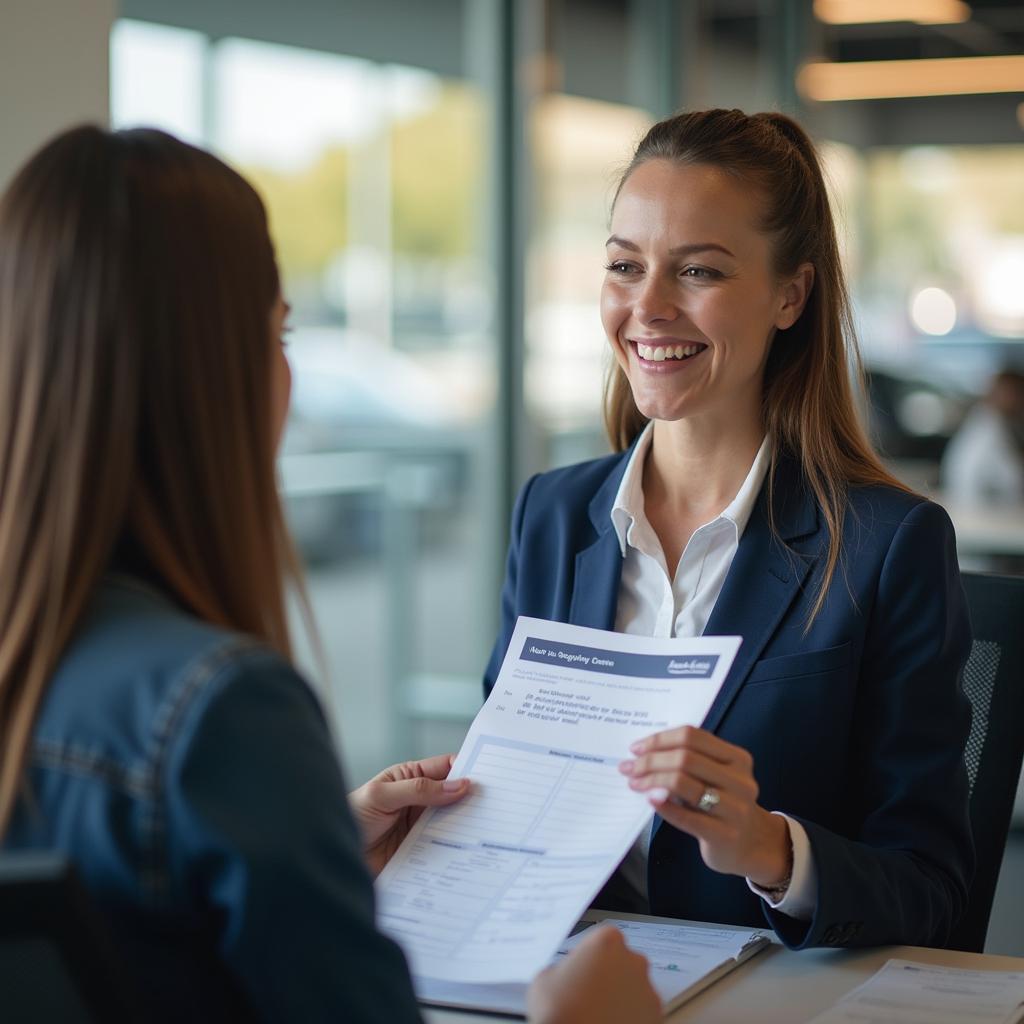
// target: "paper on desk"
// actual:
[[904, 992], [681, 956], [485, 890], [682, 960]]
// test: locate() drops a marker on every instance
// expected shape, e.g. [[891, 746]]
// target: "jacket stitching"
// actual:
[[78, 760], [153, 826]]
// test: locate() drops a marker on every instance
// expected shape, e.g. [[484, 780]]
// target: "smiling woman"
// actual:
[[826, 789], [691, 301]]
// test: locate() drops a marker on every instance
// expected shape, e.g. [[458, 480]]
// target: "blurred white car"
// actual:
[[365, 420]]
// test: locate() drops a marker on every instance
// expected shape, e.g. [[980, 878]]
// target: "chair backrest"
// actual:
[[994, 683], [57, 962]]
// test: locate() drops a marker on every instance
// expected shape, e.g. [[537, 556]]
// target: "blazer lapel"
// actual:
[[766, 576], [595, 588]]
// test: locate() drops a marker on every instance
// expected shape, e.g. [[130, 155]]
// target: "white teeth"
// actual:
[[659, 353]]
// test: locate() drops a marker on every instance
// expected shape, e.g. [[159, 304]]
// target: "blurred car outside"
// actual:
[[370, 425]]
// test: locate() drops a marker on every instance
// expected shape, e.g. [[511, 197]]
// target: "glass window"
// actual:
[[934, 240], [156, 77], [373, 176]]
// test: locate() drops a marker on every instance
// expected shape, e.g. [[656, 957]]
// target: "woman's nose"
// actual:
[[655, 301]]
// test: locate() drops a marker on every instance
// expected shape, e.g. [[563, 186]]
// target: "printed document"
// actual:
[[904, 992], [486, 889], [683, 960]]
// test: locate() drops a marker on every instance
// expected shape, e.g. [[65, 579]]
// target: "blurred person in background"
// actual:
[[983, 464], [827, 791], [152, 725]]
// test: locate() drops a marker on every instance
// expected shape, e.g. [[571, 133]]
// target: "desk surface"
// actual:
[[781, 987], [984, 530]]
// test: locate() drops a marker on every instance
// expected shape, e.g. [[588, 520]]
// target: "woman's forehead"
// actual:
[[696, 202]]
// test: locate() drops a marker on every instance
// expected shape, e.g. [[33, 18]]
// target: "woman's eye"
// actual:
[[619, 267], [702, 273]]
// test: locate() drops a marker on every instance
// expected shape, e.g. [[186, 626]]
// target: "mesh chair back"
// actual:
[[994, 683], [979, 685]]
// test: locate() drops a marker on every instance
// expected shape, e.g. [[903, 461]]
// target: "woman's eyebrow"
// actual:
[[622, 243], [679, 250], [686, 250]]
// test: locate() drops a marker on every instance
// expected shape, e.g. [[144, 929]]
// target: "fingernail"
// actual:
[[453, 785], [626, 767], [658, 795], [637, 746]]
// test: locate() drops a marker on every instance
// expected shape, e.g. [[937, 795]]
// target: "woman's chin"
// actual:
[[656, 408]]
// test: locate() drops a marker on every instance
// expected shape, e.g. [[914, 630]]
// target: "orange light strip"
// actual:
[[869, 12], [827, 82]]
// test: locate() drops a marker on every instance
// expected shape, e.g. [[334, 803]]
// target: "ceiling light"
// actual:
[[887, 79], [998, 297], [865, 12], [933, 311]]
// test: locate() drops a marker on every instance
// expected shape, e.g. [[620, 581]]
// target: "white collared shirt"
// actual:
[[652, 604]]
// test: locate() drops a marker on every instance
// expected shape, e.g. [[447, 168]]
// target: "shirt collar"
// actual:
[[628, 506], [629, 499]]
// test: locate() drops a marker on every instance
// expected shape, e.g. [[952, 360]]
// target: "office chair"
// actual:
[[994, 683], [57, 962]]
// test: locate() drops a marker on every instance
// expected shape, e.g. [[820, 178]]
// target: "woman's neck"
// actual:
[[695, 467]]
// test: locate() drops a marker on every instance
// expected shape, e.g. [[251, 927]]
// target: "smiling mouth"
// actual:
[[661, 353]]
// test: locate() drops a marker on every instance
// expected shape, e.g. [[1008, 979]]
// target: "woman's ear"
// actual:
[[794, 295]]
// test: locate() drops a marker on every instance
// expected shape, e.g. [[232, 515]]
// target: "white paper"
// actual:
[[680, 958], [904, 992], [485, 890]]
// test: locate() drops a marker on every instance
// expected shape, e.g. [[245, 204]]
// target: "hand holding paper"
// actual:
[[485, 890], [389, 804], [677, 766]]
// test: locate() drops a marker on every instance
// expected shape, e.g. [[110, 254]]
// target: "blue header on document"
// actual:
[[620, 663]]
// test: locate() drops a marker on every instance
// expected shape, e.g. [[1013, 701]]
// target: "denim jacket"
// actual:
[[190, 776]]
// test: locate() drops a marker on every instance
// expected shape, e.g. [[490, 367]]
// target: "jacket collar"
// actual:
[[600, 508], [767, 574], [796, 512], [598, 568]]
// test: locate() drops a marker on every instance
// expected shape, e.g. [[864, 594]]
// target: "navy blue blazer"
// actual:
[[857, 724]]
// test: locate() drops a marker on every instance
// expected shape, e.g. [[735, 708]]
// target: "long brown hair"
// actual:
[[137, 278], [808, 404]]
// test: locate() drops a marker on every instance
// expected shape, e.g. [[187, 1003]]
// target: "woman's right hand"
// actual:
[[601, 981]]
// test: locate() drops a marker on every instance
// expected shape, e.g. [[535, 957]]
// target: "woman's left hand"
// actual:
[[388, 805], [736, 835]]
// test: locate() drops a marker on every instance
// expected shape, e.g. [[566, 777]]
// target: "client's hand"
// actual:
[[600, 982], [705, 786], [388, 805]]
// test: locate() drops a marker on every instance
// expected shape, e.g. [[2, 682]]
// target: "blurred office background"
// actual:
[[438, 175]]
